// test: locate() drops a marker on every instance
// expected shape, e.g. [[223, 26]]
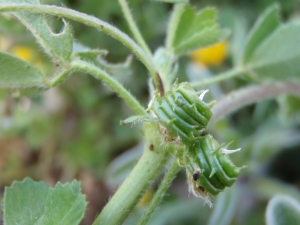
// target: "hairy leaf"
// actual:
[[17, 73], [225, 207], [57, 46], [278, 56], [33, 203], [196, 30], [283, 210], [265, 25], [272, 50]]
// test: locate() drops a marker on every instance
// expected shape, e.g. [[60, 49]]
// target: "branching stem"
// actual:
[[82, 66], [147, 170], [166, 182], [92, 22], [133, 27], [218, 78]]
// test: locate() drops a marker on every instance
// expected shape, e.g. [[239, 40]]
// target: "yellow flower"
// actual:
[[210, 56], [146, 198], [23, 52]]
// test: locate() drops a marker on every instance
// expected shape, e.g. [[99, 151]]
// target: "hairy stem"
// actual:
[[170, 175], [218, 78], [93, 22], [147, 170], [111, 82], [60, 77], [133, 27], [249, 95]]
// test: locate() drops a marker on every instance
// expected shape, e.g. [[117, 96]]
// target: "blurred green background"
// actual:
[[73, 131]]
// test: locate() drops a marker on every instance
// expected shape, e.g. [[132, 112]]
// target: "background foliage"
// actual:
[[73, 131]]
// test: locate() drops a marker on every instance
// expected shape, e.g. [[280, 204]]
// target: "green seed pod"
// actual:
[[209, 169], [182, 112]]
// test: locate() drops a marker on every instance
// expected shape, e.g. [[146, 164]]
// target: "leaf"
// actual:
[[225, 207], [264, 26], [283, 210], [86, 53], [17, 73], [96, 57], [196, 30], [273, 50], [35, 203], [279, 55], [57, 46]]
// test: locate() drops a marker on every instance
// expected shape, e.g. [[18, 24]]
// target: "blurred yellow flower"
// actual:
[[210, 56], [23, 52], [146, 198]]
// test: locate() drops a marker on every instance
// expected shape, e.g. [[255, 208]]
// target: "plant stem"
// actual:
[[249, 95], [133, 27], [170, 175], [147, 170], [218, 78], [93, 22], [173, 24], [60, 77], [111, 82]]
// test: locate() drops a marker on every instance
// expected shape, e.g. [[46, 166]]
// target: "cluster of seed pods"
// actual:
[[183, 116]]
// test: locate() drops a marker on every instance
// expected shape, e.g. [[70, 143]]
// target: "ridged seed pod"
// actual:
[[182, 112], [209, 169]]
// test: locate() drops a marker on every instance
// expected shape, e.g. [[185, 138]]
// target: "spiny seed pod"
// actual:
[[182, 112], [209, 169]]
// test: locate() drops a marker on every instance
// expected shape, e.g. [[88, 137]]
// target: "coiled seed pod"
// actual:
[[182, 112], [209, 169]]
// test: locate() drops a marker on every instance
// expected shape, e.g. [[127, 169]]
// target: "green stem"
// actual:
[[133, 27], [218, 78], [111, 82], [249, 95], [171, 174], [60, 77], [147, 170], [173, 24], [93, 22]]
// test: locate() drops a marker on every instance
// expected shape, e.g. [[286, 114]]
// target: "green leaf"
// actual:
[[225, 207], [17, 73], [96, 57], [283, 210], [86, 53], [30, 202], [57, 46], [196, 30], [264, 26], [272, 50], [278, 56]]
